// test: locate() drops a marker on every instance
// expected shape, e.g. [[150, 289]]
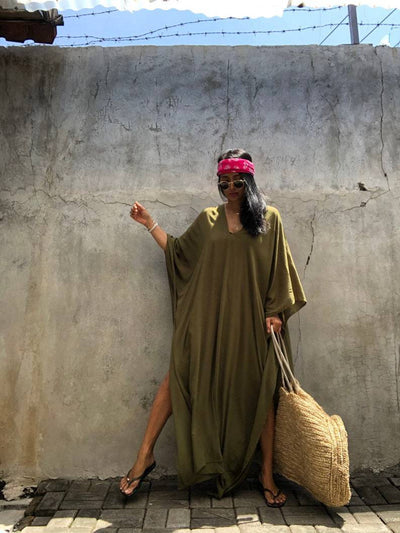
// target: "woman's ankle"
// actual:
[[145, 455]]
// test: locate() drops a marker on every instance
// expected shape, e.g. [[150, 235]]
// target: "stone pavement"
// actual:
[[87, 506]]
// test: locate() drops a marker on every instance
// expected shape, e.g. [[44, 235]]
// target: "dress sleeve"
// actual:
[[285, 295], [181, 256]]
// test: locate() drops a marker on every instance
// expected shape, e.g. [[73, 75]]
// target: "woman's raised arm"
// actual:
[[140, 214]]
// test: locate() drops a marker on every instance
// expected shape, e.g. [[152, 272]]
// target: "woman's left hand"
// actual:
[[276, 322]]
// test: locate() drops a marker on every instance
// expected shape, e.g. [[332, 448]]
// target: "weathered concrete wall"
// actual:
[[85, 322]]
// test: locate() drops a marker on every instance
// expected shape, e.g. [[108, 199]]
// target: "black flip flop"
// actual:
[[275, 504], [138, 478]]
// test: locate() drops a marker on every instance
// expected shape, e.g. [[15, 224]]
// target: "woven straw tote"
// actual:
[[310, 447]]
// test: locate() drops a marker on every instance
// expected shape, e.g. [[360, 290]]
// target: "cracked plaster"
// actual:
[[86, 338]]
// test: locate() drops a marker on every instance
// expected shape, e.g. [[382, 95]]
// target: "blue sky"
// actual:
[[118, 24]]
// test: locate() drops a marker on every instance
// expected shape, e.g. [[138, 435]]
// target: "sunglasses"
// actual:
[[238, 184]]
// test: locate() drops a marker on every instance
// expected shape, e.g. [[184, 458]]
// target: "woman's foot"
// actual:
[[142, 463], [274, 497]]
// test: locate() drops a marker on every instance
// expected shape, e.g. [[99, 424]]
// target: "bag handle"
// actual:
[[290, 383]]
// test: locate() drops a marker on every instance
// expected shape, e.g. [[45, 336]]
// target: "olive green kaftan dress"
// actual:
[[223, 372]]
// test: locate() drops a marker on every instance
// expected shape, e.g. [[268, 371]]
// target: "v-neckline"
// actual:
[[226, 222]]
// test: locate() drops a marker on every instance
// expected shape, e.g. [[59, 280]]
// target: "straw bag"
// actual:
[[310, 447]]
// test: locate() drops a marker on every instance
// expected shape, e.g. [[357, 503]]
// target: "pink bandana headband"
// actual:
[[235, 165]]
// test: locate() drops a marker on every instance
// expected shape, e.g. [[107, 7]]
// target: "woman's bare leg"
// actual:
[[160, 412], [267, 447]]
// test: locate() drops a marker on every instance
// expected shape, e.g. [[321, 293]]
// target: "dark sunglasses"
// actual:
[[238, 184]]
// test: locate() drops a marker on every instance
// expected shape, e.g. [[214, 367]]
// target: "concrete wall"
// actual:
[[85, 322]]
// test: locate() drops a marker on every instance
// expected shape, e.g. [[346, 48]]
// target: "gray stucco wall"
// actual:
[[86, 324]]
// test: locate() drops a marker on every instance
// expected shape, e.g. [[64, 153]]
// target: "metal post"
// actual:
[[353, 24]]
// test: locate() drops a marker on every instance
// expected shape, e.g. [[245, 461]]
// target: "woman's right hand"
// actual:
[[141, 215]]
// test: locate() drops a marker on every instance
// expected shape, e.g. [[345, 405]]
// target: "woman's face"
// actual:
[[232, 193]]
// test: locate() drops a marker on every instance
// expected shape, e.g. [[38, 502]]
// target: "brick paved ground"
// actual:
[[88, 506]]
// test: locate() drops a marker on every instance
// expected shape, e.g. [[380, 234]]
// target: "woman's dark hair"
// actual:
[[253, 207]]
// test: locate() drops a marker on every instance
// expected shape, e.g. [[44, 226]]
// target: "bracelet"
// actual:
[[153, 227]]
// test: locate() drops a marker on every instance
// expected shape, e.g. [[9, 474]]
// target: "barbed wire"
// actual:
[[91, 14], [314, 10], [198, 21], [288, 10], [334, 29], [148, 37], [379, 24]]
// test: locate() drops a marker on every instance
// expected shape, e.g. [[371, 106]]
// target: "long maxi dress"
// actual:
[[223, 371]]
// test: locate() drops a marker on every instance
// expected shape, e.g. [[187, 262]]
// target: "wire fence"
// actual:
[[162, 34]]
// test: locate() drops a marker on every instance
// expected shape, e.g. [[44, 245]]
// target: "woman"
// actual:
[[231, 277]]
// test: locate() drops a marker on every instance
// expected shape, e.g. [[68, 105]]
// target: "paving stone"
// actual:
[[81, 504], [49, 504], [225, 502], [203, 530], [128, 530], [83, 521], [302, 529], [246, 498], [371, 496], [25, 521], [305, 498], [394, 526], [199, 500], [62, 518], [122, 518], [369, 480], [227, 529], [155, 517], [55, 485], [89, 513], [41, 520], [307, 515], [365, 528], [34, 529], [96, 493], [390, 493], [248, 528], [113, 504], [80, 485], [364, 515], [100, 528], [164, 484], [178, 518], [80, 530], [41, 488], [388, 513], [212, 518], [341, 515], [114, 486], [104, 484], [30, 510], [395, 481], [271, 516], [327, 529], [114, 501], [139, 501], [161, 530], [114, 498], [247, 515], [55, 529], [168, 499], [355, 498]]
